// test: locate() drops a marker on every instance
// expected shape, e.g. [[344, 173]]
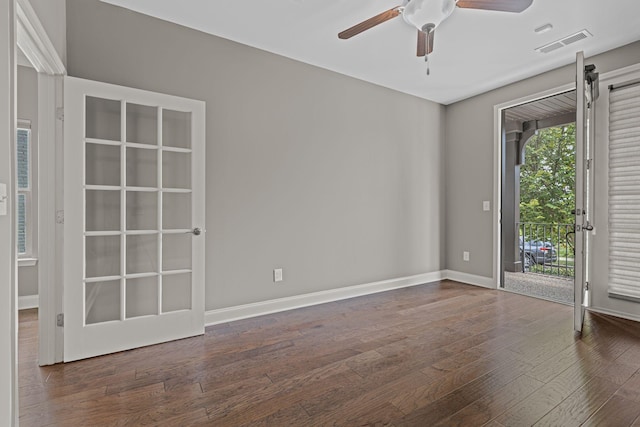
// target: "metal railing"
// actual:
[[547, 248]]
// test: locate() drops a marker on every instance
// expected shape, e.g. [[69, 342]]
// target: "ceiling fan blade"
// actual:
[[423, 43], [516, 6], [369, 23]]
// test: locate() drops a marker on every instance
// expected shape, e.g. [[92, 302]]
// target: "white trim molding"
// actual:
[[614, 313], [28, 301], [50, 231], [497, 166], [27, 262], [9, 407], [34, 42], [471, 279], [223, 315]]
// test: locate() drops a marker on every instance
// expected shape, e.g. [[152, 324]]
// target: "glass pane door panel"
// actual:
[[103, 165], [133, 190], [102, 120], [102, 301], [176, 292], [142, 210], [176, 170], [142, 124], [176, 129], [142, 296], [176, 211], [142, 167], [142, 254], [102, 210], [102, 256], [176, 252]]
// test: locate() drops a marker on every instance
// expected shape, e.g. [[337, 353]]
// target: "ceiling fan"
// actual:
[[426, 15]]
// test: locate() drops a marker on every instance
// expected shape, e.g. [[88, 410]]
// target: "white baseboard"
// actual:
[[27, 301], [615, 314], [470, 279], [222, 315]]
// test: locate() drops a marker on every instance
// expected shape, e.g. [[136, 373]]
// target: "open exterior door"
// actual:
[[586, 95], [134, 218]]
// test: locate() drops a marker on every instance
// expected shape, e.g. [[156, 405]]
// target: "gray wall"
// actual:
[[337, 181], [27, 107], [470, 162], [52, 16]]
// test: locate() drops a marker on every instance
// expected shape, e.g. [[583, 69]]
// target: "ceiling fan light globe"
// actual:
[[419, 13]]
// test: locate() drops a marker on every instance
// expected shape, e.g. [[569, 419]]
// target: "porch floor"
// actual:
[[554, 288]]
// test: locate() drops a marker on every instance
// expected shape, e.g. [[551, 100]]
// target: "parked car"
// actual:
[[537, 252]]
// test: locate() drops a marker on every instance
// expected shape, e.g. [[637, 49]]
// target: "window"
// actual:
[[624, 192], [23, 161]]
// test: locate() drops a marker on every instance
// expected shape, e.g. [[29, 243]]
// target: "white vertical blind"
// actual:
[[624, 193]]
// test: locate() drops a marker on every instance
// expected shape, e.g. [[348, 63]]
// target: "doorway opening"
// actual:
[[538, 196]]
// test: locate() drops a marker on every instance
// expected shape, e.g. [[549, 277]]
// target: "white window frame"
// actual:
[[29, 257], [624, 203]]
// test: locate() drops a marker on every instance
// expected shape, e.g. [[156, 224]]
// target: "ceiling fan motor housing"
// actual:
[[427, 13]]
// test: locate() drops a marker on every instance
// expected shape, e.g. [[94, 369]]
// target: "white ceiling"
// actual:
[[475, 50]]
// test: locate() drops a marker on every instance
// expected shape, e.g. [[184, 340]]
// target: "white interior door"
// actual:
[[134, 218], [586, 94]]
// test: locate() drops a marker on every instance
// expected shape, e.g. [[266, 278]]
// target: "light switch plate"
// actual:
[[4, 200], [277, 275], [486, 205]]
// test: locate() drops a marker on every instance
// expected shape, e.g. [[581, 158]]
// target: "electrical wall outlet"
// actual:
[[465, 256], [277, 275]]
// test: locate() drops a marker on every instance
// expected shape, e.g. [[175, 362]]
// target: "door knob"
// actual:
[[196, 231]]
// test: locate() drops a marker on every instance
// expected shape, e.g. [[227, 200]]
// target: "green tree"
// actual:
[[547, 177]]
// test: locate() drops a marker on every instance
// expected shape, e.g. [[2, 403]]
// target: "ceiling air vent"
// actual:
[[575, 37], [580, 35], [550, 47]]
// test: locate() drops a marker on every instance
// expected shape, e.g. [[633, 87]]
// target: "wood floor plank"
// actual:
[[617, 411], [630, 390], [442, 353], [548, 369], [290, 416], [461, 397], [545, 399], [487, 408], [580, 405], [631, 357], [366, 406]]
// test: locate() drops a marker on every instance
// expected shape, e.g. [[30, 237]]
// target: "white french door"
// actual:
[[134, 218], [586, 95]]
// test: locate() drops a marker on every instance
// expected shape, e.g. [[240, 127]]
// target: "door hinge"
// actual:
[[60, 319], [60, 113], [59, 217]]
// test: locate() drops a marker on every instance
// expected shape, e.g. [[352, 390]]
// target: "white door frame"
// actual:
[[497, 168], [8, 253], [34, 42]]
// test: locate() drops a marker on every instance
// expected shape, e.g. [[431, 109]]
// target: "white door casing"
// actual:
[[133, 196]]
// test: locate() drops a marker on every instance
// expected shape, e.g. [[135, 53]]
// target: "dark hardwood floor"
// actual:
[[438, 354]]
